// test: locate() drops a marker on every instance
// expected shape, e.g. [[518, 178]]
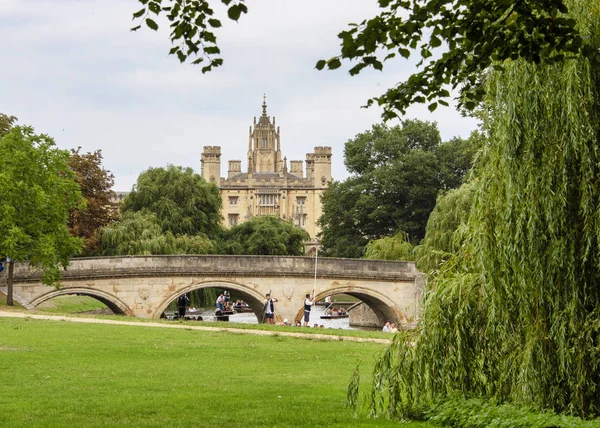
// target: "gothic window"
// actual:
[[233, 219], [301, 200], [265, 144], [302, 221], [233, 201], [268, 204]]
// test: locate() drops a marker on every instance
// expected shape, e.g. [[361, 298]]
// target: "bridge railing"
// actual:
[[219, 265]]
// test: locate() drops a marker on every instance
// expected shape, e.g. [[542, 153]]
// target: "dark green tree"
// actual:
[[96, 187], [457, 41], [264, 235], [182, 201], [38, 192], [397, 174]]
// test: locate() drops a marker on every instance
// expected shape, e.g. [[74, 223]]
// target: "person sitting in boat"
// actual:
[[221, 302], [393, 328], [192, 309], [386, 327]]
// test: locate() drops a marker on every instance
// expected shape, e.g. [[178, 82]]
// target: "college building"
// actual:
[[269, 186]]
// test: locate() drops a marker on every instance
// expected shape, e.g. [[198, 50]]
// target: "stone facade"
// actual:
[[268, 187]]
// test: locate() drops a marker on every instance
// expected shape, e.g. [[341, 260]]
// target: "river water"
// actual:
[[315, 314]]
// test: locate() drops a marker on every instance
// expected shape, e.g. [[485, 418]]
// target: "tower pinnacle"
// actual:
[[264, 105]]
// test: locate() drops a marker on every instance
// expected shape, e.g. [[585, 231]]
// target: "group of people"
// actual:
[[224, 302], [390, 327], [337, 311], [269, 310]]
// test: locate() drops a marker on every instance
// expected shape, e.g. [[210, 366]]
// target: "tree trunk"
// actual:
[[9, 284]]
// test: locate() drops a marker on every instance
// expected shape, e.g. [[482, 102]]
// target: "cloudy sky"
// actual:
[[72, 69]]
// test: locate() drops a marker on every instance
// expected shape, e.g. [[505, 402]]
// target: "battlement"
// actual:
[[323, 150], [216, 150]]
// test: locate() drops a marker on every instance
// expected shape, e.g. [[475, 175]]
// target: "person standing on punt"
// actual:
[[270, 309], [308, 302], [181, 304]]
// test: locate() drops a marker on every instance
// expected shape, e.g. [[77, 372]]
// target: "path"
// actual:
[[194, 327]]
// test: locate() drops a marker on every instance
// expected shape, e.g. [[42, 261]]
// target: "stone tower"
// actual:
[[210, 164], [264, 145], [321, 166]]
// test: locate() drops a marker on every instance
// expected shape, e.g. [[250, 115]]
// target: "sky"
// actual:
[[73, 70]]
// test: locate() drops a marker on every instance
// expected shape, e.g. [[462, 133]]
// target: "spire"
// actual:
[[264, 105]]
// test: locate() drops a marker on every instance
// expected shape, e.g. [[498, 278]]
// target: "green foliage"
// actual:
[[397, 174], [96, 187], [457, 41], [516, 315], [140, 233], [476, 413], [390, 248], [6, 123], [182, 201], [445, 232], [192, 24], [38, 190], [203, 297], [264, 235]]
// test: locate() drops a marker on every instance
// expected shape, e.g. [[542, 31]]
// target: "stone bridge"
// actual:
[[143, 286]]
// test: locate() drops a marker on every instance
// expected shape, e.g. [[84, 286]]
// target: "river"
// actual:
[[315, 318]]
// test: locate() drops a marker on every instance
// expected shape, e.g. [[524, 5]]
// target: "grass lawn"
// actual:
[[71, 304], [67, 374]]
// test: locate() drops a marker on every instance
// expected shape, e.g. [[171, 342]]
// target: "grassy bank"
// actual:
[[63, 374]]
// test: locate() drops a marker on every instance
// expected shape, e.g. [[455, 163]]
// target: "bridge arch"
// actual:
[[383, 307], [113, 303], [253, 298]]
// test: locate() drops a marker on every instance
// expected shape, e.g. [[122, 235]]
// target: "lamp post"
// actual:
[[316, 263]]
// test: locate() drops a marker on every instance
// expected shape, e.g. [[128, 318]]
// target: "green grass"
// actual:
[[72, 304], [67, 374]]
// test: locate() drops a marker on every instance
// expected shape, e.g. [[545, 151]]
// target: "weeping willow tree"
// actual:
[[394, 247], [140, 233], [515, 316], [446, 227]]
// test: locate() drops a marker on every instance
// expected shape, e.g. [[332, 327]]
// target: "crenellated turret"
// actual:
[[321, 167], [210, 164]]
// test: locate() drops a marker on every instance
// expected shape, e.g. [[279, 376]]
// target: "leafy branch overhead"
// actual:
[[192, 23], [457, 40]]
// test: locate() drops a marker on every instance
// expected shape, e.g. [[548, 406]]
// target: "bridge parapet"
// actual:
[[147, 266]]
